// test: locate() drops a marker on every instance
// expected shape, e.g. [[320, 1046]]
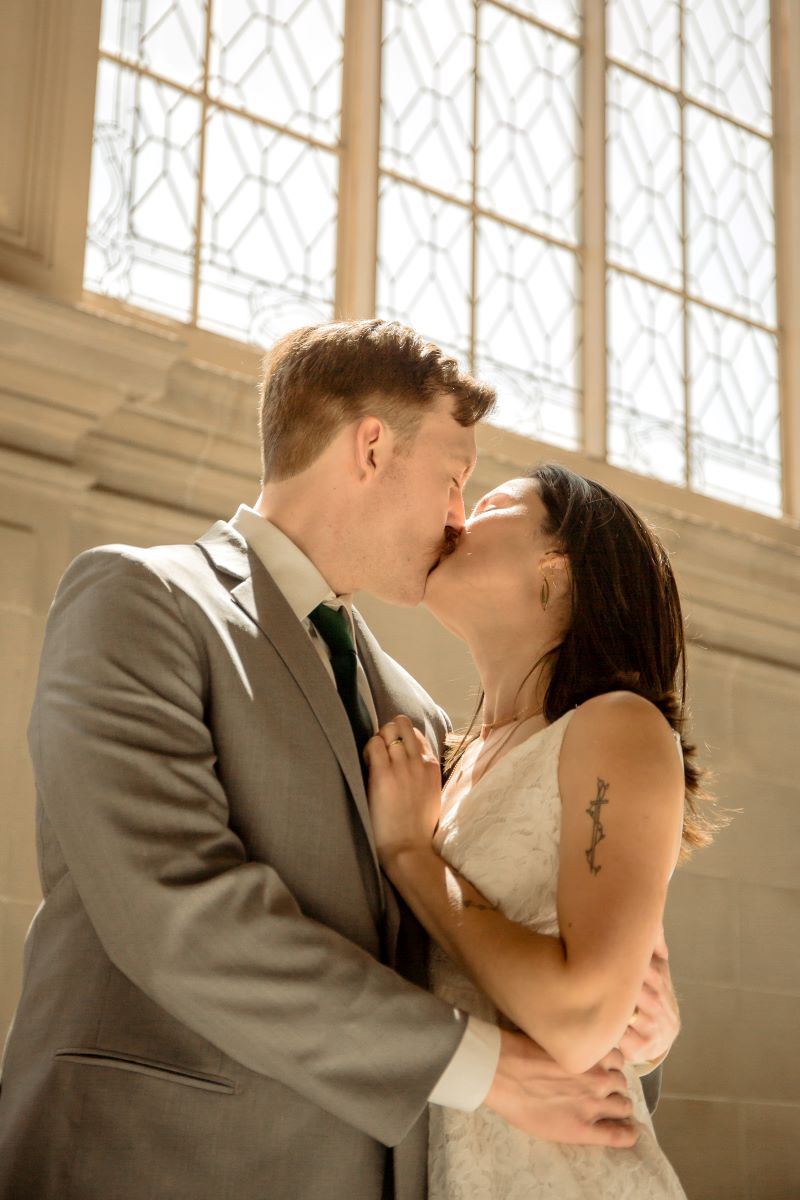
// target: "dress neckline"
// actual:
[[495, 766]]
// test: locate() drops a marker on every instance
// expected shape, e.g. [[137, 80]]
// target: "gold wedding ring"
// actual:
[[394, 742]]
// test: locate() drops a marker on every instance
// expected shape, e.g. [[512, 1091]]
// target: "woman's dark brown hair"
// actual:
[[626, 631]]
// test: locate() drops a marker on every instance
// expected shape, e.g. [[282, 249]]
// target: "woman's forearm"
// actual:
[[574, 1012]]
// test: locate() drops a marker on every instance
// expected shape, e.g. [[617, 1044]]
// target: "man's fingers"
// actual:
[[616, 1106], [620, 1134], [633, 1044], [649, 998], [613, 1061], [661, 948], [645, 1027], [612, 1083]]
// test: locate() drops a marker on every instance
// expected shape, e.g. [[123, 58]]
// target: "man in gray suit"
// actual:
[[222, 1000]]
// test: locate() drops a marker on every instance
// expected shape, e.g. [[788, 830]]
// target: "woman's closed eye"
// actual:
[[486, 503]]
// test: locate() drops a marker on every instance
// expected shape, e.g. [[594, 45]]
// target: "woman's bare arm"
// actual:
[[622, 802]]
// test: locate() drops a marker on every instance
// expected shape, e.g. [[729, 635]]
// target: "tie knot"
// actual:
[[333, 626]]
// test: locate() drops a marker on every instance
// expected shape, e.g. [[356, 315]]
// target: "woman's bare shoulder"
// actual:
[[620, 723]]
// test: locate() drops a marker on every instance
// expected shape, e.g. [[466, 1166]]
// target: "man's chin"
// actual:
[[401, 594]]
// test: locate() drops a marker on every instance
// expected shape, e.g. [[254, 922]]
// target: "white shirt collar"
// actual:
[[295, 575]]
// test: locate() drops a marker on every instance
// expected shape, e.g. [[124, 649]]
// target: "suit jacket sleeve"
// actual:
[[125, 770]]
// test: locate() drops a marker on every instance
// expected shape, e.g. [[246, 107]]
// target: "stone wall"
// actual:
[[111, 433]]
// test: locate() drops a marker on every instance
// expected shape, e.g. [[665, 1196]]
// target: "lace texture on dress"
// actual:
[[503, 836]]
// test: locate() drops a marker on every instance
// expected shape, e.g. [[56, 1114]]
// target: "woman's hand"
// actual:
[[404, 791], [656, 1021]]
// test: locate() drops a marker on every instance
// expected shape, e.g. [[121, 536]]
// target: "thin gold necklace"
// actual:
[[526, 712], [489, 758]]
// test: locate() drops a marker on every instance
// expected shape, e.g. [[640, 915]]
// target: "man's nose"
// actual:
[[456, 515]]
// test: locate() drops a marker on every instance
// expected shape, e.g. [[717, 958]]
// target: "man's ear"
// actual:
[[372, 447]]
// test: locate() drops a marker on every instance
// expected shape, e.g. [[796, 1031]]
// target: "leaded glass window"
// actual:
[[479, 196], [215, 201], [215, 171], [692, 337]]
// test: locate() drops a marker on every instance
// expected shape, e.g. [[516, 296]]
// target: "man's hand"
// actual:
[[656, 1022], [530, 1090]]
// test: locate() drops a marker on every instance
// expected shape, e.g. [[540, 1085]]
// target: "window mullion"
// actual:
[[473, 286], [593, 207], [785, 34], [201, 167], [357, 237], [688, 448]]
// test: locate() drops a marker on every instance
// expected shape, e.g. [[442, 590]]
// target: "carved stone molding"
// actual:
[[48, 66], [124, 406], [100, 410]]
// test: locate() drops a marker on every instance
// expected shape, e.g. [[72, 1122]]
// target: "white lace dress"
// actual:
[[503, 836]]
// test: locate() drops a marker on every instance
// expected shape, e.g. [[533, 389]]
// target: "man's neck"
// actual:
[[313, 526]]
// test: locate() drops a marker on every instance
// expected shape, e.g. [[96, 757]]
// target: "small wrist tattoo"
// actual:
[[480, 905]]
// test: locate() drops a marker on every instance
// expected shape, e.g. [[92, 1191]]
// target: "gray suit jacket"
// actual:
[[209, 1009]]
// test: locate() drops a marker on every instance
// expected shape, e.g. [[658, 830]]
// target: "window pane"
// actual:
[[141, 234], [645, 34], [426, 125], [528, 124], [268, 248], [731, 232], [424, 256], [527, 342], [644, 178], [728, 56], [645, 379], [281, 60], [734, 411], [165, 36], [562, 14]]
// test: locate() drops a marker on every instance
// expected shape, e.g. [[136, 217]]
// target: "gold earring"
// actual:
[[544, 595]]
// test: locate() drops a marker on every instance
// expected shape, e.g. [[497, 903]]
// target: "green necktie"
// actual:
[[333, 627]]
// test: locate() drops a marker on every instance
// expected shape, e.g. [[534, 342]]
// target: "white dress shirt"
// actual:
[[468, 1076]]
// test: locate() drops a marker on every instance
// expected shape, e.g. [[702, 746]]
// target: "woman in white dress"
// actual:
[[541, 871]]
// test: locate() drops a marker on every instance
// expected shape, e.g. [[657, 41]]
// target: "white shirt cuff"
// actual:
[[466, 1079]]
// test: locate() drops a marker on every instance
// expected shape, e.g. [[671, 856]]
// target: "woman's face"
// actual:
[[496, 567]]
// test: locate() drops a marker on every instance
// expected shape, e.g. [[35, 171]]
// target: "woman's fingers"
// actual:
[[401, 737], [405, 730], [375, 752]]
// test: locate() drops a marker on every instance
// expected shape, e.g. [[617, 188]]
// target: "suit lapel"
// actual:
[[260, 598], [392, 694], [390, 685]]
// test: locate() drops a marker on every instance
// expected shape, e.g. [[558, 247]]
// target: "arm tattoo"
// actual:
[[598, 833]]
